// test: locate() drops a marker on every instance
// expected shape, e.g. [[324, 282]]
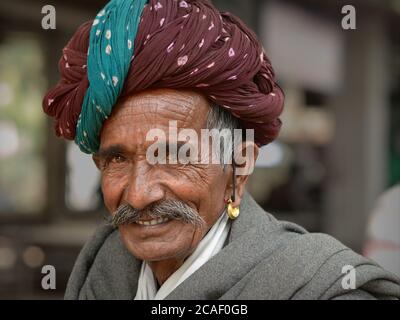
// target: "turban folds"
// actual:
[[176, 44]]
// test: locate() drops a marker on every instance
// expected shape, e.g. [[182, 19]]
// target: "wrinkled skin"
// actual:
[[128, 177]]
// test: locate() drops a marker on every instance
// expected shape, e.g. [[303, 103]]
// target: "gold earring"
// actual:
[[233, 212]]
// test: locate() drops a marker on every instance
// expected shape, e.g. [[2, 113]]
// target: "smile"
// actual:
[[152, 222]]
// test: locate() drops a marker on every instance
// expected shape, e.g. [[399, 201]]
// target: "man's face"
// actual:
[[127, 177]]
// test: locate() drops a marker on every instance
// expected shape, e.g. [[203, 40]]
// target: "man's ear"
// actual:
[[245, 158]]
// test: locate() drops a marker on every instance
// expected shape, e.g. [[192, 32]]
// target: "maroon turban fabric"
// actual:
[[181, 44]]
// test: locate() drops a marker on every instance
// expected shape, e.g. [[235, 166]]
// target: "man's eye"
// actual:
[[117, 159]]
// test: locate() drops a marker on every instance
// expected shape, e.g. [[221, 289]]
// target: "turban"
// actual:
[[133, 45]]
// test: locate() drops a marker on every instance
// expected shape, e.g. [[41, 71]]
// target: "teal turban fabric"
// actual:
[[111, 47]]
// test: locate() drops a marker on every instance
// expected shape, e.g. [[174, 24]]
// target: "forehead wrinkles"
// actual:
[[160, 106]]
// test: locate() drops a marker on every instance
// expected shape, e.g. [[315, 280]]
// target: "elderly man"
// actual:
[[183, 228]]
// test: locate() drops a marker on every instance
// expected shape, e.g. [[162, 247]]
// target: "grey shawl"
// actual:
[[263, 259]]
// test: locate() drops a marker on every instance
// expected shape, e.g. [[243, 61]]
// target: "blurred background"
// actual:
[[339, 149]]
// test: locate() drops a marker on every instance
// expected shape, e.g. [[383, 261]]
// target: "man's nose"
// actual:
[[143, 187]]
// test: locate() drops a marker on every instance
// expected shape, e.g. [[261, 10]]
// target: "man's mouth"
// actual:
[[153, 222]]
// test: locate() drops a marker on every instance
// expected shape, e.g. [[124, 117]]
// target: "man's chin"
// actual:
[[154, 243]]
